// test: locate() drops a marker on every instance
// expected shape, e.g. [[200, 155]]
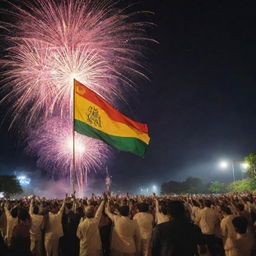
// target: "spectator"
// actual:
[[244, 242], [54, 229], [228, 231], [20, 240], [88, 232], [145, 224], [125, 234], [11, 221], [36, 245], [178, 236], [208, 221], [161, 213]]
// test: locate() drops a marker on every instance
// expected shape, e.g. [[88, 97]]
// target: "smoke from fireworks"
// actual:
[[52, 142], [53, 42]]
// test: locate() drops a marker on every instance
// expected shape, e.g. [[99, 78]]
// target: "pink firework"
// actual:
[[52, 143], [52, 42]]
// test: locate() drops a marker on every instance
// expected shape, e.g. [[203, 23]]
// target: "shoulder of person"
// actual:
[[164, 225]]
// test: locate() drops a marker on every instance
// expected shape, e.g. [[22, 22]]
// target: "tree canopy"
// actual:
[[251, 161], [10, 185], [191, 185], [217, 187]]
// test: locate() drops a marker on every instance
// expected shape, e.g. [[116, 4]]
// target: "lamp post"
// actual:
[[225, 164]]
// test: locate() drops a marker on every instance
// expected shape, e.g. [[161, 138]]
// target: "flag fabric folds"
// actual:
[[96, 118]]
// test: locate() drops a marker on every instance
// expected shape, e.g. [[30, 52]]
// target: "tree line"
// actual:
[[194, 185]]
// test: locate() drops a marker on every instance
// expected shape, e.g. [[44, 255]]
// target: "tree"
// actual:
[[216, 187], [171, 187], [242, 185], [191, 185], [251, 161], [9, 185]]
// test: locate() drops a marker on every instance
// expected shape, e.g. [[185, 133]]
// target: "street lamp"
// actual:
[[225, 165], [244, 166]]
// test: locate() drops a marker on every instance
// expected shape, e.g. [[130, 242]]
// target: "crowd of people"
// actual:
[[123, 225]]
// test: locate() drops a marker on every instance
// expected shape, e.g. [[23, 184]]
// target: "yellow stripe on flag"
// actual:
[[91, 114]]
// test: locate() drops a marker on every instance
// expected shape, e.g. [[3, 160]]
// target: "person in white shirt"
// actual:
[[36, 243], [145, 224], [195, 210], [161, 214], [228, 231], [12, 221], [208, 221], [88, 232], [244, 242], [125, 234], [54, 230]]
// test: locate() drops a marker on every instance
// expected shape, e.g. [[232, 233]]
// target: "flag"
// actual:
[[96, 118]]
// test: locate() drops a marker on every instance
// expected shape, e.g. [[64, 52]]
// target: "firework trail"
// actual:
[[52, 42], [52, 143]]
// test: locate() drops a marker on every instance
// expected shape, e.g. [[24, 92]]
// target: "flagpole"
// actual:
[[74, 155]]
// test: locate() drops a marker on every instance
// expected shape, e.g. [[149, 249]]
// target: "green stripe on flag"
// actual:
[[127, 144]]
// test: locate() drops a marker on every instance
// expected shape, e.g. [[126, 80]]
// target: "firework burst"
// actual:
[[53, 42], [52, 144]]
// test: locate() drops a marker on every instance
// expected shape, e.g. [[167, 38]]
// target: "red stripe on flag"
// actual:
[[114, 114]]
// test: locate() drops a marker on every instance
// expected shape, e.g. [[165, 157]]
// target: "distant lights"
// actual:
[[149, 190], [23, 180]]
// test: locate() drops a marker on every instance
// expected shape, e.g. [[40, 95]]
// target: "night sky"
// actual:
[[199, 104]]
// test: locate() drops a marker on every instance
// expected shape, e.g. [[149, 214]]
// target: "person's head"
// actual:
[[14, 212], [195, 203], [80, 212], [143, 207], [89, 211], [36, 209], [240, 207], [225, 210], [208, 203], [54, 209], [163, 208], [240, 224], [68, 205], [124, 210], [176, 209], [23, 215]]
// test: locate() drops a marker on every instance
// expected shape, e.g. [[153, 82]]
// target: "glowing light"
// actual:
[[245, 166], [23, 180], [223, 164], [79, 147], [73, 76]]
